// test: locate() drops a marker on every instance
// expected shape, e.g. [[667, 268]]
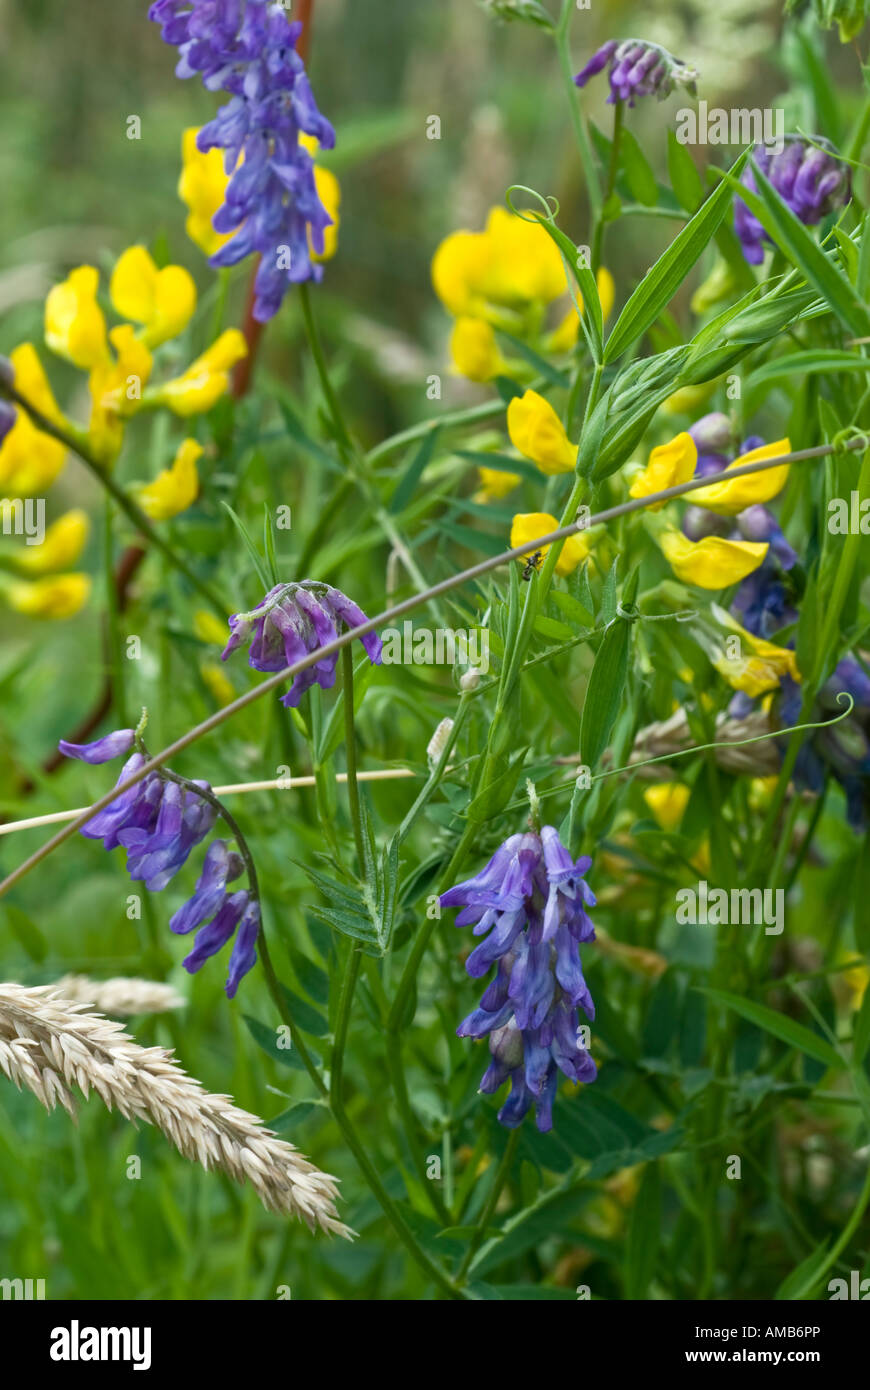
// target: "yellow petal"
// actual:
[[494, 484], [458, 269], [219, 684], [329, 193], [162, 300], [474, 350], [667, 801], [537, 432], [61, 547], [116, 388], [527, 525], [29, 459], [208, 628], [711, 563], [176, 488], [206, 379], [201, 187], [730, 497], [668, 465], [758, 666], [59, 597], [74, 324]]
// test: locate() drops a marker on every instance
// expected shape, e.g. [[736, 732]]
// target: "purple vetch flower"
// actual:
[[247, 48], [159, 822], [714, 439], [292, 621], [530, 902], [810, 179], [841, 750], [638, 68]]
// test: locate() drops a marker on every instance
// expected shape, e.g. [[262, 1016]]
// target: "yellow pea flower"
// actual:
[[176, 488], [201, 187], [667, 466], [205, 380], [61, 596], [116, 387], [730, 497], [163, 301], [29, 459], [856, 978], [711, 563], [61, 547], [510, 264], [495, 484], [527, 525], [667, 801], [538, 433], [474, 350], [75, 327], [759, 665], [208, 628], [566, 333]]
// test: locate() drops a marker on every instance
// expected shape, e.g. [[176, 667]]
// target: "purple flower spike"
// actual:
[[159, 822], [103, 750], [809, 178], [292, 621], [530, 899], [638, 68], [247, 48]]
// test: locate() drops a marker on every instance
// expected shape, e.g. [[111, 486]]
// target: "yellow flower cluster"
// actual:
[[711, 563], [506, 276]]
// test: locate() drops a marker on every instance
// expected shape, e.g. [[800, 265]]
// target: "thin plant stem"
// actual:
[[587, 159], [114, 653], [350, 754], [601, 220]]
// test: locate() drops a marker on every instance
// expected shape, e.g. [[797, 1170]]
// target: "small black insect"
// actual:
[[532, 564]]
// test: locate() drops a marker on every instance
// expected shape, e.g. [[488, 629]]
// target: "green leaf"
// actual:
[[644, 1235], [578, 272], [782, 1027], [411, 477], [256, 557], [26, 933], [861, 1035], [803, 1280], [797, 364], [685, 179], [604, 693], [639, 176], [799, 245], [267, 1039], [303, 1016], [269, 546], [661, 283]]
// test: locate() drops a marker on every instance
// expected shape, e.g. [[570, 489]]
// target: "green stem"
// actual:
[[332, 1094], [490, 1205], [114, 639], [587, 159], [350, 755], [601, 219]]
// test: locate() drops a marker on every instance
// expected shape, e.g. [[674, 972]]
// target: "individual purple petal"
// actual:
[[103, 750]]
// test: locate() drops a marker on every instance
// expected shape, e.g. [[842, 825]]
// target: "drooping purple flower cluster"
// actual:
[[293, 620], [808, 177], [638, 68], [248, 49], [159, 822], [530, 899]]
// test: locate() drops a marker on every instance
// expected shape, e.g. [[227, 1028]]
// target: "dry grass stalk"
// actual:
[[48, 1043], [120, 995]]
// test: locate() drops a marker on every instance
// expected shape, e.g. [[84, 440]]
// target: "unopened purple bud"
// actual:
[[103, 750], [713, 433]]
